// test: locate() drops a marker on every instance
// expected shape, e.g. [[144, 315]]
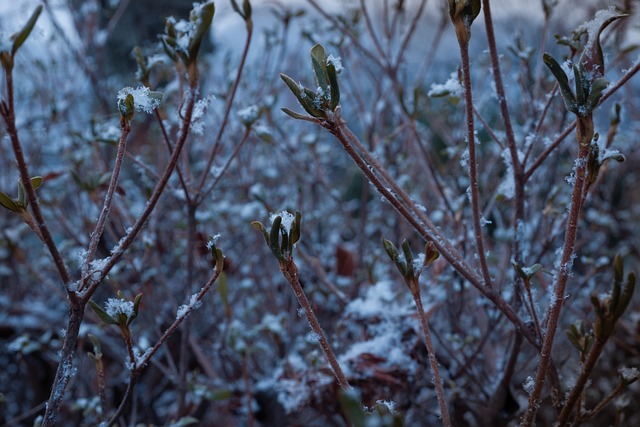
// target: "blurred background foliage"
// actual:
[[248, 355]]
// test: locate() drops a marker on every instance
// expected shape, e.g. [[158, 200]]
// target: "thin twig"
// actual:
[[225, 119], [473, 165], [125, 128], [7, 110], [432, 360], [562, 276], [290, 272]]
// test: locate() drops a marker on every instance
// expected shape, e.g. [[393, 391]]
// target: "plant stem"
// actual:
[[65, 369], [138, 365], [578, 388], [125, 128], [432, 360], [135, 229], [518, 170], [414, 216], [290, 271], [227, 110], [7, 110], [602, 404], [564, 269], [473, 173]]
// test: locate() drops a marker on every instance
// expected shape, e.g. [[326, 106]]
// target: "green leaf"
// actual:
[[127, 107], [597, 89], [36, 182], [223, 289], [20, 37], [274, 237], [563, 83], [408, 257], [293, 86], [319, 63], [431, 253], [574, 337], [258, 226], [295, 228], [235, 7], [136, 305], [102, 314], [618, 269], [335, 89], [592, 58], [22, 195], [581, 91], [294, 115], [97, 350], [352, 408], [390, 249], [246, 7], [625, 296], [202, 17], [9, 203], [141, 62], [285, 247]]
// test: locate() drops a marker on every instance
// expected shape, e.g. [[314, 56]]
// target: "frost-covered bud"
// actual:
[[141, 98]]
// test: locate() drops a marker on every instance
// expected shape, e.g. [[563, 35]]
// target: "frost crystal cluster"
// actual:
[[143, 98]]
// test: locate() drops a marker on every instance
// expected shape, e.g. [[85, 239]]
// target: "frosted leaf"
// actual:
[[212, 241], [115, 306], [451, 87], [143, 98], [593, 27], [418, 262], [567, 67], [249, 115], [390, 404], [629, 374], [262, 131], [336, 61]]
